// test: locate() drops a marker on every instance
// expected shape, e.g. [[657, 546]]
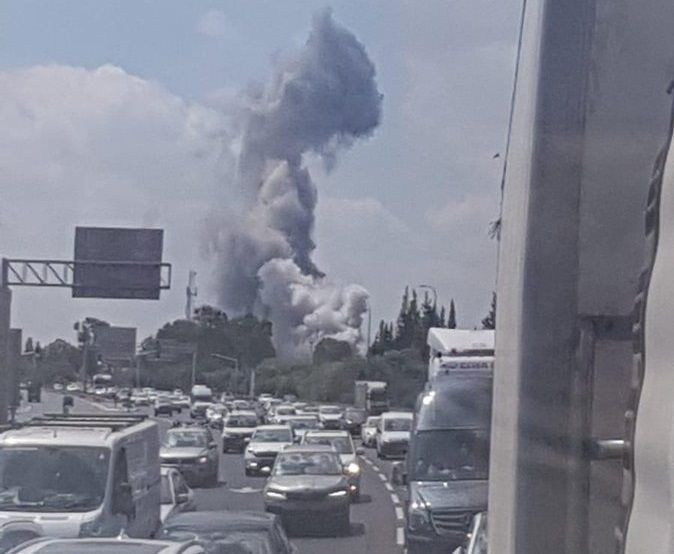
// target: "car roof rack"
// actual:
[[114, 422]]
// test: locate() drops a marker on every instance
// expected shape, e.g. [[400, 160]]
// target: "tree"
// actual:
[[331, 350], [451, 319], [489, 322], [29, 345]]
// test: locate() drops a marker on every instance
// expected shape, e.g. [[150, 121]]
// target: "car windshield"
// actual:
[[179, 439], [330, 410], [342, 445], [57, 479], [372, 422], [450, 455], [356, 416], [165, 490], [272, 435], [307, 463], [303, 423], [397, 424], [241, 421]]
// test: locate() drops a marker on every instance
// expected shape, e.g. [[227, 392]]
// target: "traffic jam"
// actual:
[[137, 468]]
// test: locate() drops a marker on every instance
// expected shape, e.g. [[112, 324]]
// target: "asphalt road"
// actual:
[[376, 521]]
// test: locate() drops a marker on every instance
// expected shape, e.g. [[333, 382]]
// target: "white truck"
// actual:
[[371, 396], [79, 476], [459, 349]]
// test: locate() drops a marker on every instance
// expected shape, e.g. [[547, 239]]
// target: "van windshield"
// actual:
[[52, 479], [398, 424], [450, 455]]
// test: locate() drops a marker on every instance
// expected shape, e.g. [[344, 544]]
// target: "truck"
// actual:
[[371, 396], [79, 476], [451, 349], [447, 463]]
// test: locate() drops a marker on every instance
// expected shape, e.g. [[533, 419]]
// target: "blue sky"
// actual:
[[410, 205]]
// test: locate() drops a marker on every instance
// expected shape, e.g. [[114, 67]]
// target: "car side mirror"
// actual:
[[297, 439], [246, 440], [182, 498], [399, 474], [124, 500]]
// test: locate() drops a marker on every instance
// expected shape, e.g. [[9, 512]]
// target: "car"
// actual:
[[163, 405], [58, 387], [176, 495], [342, 443], [353, 419], [198, 409], [241, 405], [74, 387], [139, 398], [280, 411], [182, 402], [238, 428], [368, 432], [309, 409], [330, 416], [193, 452], [258, 532], [108, 546], [265, 444], [215, 415], [307, 485], [301, 423], [393, 434]]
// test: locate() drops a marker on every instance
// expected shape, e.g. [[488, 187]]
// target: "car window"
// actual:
[[397, 424], [166, 494], [307, 463], [342, 445], [272, 435], [182, 439]]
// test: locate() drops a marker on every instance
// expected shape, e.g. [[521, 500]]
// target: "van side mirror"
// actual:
[[123, 501], [182, 498], [399, 474]]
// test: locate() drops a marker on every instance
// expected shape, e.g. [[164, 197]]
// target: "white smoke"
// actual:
[[319, 103]]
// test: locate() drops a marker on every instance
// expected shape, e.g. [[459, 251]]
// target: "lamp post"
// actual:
[[235, 361]]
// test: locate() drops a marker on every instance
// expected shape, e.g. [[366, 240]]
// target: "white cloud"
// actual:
[[107, 148], [214, 24]]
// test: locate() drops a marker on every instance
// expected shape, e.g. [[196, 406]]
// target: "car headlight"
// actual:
[[337, 494], [203, 459], [275, 494], [353, 468], [418, 517]]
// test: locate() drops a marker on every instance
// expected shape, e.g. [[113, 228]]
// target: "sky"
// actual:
[[115, 113]]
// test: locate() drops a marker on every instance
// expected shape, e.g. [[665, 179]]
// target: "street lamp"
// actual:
[[435, 292]]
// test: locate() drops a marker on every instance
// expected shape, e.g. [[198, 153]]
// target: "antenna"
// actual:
[[191, 293]]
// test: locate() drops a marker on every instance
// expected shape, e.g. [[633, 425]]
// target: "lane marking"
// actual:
[[368, 461], [399, 513], [400, 536], [395, 499], [382, 476], [389, 487]]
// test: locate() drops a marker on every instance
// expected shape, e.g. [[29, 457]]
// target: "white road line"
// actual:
[[400, 536], [399, 513], [368, 461], [395, 499], [382, 476], [389, 487]]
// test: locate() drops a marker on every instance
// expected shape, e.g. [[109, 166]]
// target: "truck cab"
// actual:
[[448, 461], [79, 476]]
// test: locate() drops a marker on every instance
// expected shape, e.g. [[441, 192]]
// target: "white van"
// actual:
[[79, 476]]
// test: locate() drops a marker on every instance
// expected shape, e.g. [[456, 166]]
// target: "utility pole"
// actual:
[[191, 293], [235, 361]]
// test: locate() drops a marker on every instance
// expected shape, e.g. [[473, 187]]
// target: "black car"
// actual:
[[259, 532], [353, 420]]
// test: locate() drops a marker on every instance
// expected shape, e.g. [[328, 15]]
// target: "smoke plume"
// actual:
[[320, 102]]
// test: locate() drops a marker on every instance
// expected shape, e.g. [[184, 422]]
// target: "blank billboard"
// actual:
[[115, 344], [117, 263]]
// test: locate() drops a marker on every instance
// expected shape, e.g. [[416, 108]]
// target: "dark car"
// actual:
[[260, 532], [353, 420], [163, 405], [307, 484], [192, 451], [237, 430]]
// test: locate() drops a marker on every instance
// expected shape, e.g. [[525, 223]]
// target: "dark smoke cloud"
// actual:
[[320, 102]]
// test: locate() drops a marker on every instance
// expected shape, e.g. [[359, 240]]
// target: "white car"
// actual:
[[393, 434], [176, 495], [342, 443], [74, 387], [330, 416], [368, 432], [265, 444], [113, 544]]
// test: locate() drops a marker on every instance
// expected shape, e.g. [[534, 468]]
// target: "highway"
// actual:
[[376, 521]]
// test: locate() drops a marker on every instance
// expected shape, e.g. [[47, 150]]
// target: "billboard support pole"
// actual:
[[5, 322]]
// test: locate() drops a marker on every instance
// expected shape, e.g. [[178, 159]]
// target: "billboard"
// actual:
[[115, 345], [117, 263]]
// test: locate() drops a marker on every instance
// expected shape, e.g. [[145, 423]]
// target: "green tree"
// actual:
[[451, 319], [489, 322], [29, 345]]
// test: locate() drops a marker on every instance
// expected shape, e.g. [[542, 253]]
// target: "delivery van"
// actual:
[[79, 476]]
